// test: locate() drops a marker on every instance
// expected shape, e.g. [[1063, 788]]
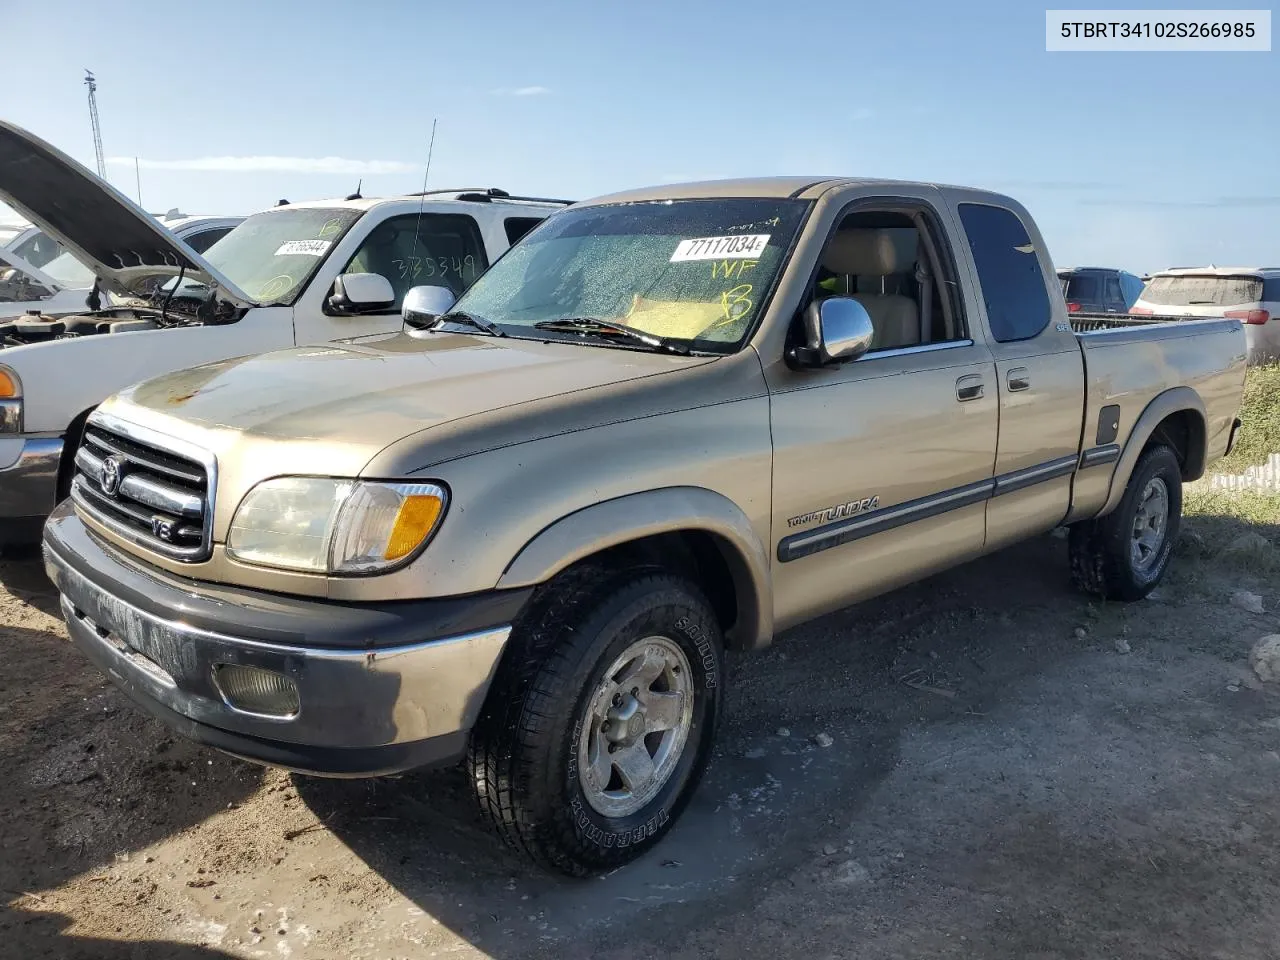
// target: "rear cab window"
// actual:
[[1013, 286]]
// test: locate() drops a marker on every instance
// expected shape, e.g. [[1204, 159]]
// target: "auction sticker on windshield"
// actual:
[[303, 248], [744, 247]]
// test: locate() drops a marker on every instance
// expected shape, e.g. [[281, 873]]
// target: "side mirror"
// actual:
[[424, 304], [836, 330], [355, 293]]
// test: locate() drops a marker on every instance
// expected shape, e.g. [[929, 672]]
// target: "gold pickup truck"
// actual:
[[522, 532]]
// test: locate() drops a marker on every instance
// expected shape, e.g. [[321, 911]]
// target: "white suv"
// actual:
[[1250, 294]]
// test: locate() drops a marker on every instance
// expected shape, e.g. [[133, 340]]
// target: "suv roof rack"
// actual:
[[486, 195]]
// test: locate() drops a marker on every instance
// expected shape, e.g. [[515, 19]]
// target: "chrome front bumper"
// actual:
[[29, 480], [362, 711]]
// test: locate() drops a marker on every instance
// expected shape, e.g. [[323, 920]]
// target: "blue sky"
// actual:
[[1133, 160]]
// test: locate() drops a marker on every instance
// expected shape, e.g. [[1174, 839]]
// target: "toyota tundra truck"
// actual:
[[670, 422]]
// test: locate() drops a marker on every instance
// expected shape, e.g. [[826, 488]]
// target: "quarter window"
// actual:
[[1009, 272], [517, 227]]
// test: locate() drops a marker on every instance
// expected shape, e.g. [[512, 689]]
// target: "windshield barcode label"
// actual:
[[303, 248], [744, 247]]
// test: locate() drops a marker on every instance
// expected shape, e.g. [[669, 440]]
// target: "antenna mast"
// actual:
[[92, 84]]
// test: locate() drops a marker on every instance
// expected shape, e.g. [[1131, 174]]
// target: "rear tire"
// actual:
[[573, 768], [1123, 555]]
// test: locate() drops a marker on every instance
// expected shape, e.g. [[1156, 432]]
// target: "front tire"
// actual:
[[600, 722], [1123, 555]]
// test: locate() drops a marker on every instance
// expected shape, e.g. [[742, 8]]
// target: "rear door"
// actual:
[[1039, 372]]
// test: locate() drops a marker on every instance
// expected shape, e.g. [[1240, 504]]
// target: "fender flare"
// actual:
[[1174, 400], [668, 510]]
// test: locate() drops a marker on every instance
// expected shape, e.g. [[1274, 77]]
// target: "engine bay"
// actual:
[[180, 311], [36, 327]]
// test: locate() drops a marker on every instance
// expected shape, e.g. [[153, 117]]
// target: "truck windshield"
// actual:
[[1188, 290], [695, 270], [272, 255]]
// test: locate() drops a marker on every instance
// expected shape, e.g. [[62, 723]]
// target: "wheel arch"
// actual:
[[691, 529], [1175, 417], [71, 443]]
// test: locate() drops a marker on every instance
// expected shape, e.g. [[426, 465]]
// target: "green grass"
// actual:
[[1259, 434], [1234, 528]]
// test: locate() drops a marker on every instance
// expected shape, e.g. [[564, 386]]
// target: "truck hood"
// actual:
[[121, 243], [340, 404]]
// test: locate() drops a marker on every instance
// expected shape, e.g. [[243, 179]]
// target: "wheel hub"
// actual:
[[635, 726], [1150, 525]]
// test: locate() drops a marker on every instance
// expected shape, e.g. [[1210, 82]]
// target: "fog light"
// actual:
[[255, 690]]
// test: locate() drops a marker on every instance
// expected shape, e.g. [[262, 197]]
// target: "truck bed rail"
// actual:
[[1087, 322]]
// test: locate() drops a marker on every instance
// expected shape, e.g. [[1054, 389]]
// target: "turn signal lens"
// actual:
[[10, 385], [417, 518], [384, 523]]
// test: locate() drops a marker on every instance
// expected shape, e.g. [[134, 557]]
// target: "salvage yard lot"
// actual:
[[985, 764]]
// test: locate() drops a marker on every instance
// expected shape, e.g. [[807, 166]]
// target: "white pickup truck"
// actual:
[[293, 275]]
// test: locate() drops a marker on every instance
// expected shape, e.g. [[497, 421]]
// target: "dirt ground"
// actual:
[[1012, 771]]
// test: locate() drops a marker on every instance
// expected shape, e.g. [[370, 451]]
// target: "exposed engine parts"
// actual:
[[38, 328]]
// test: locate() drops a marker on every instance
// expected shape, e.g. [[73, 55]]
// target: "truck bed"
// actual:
[[1130, 360]]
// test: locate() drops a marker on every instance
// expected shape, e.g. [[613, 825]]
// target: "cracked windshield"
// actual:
[[698, 270]]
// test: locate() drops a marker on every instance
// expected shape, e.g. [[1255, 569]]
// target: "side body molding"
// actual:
[[1174, 400], [669, 510]]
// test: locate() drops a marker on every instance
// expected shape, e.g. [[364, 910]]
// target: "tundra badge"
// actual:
[[838, 512]]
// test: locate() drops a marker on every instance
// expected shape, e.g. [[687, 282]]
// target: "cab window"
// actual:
[[1009, 274], [891, 261], [434, 249]]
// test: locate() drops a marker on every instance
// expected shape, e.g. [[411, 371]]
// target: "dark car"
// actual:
[[1099, 289]]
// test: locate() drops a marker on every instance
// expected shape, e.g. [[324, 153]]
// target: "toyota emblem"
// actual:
[[110, 481]]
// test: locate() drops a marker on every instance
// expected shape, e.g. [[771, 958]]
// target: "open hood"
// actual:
[[120, 242]]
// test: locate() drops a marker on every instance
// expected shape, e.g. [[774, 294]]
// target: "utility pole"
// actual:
[[92, 84]]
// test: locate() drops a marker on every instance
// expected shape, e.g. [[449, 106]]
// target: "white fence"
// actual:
[[1265, 478]]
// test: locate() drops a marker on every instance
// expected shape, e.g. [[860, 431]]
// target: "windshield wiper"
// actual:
[[1201, 303], [588, 326], [468, 320]]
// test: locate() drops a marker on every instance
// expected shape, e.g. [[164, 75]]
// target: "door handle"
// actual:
[[969, 388], [1019, 379]]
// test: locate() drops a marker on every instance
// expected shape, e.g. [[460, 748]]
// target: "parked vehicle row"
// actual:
[[297, 274], [521, 532]]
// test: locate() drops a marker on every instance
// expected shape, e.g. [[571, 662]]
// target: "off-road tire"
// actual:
[[524, 748], [1101, 561]]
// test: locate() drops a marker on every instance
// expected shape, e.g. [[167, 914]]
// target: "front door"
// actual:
[[882, 466], [440, 249]]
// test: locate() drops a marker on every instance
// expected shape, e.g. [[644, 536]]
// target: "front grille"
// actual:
[[148, 494]]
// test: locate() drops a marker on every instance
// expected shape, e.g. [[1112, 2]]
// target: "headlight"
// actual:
[[335, 526]]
